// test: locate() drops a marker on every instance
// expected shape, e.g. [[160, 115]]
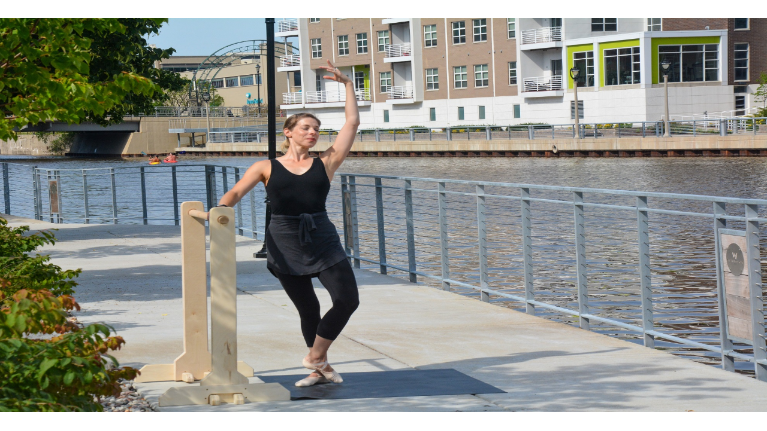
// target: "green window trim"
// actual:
[[612, 45], [572, 49], [681, 41]]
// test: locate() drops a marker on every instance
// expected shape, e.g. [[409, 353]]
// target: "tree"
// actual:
[[760, 95], [185, 98], [45, 72], [127, 51]]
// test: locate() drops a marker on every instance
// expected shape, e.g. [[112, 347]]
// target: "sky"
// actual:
[[204, 36]]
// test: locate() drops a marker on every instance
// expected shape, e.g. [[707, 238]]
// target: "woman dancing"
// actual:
[[301, 241]]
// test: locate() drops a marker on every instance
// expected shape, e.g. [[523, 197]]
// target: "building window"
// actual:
[[318, 82], [430, 35], [690, 63], [741, 23], [343, 45], [459, 32], [362, 43], [432, 79], [314, 20], [654, 24], [622, 66], [604, 24], [740, 105], [481, 75], [511, 25], [246, 80], [584, 61], [580, 109], [316, 48], [297, 78], [383, 40], [386, 115], [516, 111], [233, 81], [460, 112], [460, 77], [432, 114], [480, 30], [385, 80], [512, 73], [740, 89], [741, 62], [217, 83], [481, 112]]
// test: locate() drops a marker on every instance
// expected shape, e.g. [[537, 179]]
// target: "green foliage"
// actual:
[[760, 95], [63, 372], [48, 363], [45, 72], [61, 142], [22, 271]]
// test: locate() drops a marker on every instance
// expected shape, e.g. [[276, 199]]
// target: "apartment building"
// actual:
[[438, 72]]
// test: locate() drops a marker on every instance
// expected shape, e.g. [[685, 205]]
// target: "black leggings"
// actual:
[[340, 283]]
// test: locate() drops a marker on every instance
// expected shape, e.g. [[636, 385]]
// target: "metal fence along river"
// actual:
[[639, 265]]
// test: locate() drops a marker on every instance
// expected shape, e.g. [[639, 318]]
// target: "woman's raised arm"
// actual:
[[336, 154]]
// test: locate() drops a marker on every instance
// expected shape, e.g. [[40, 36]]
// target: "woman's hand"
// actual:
[[336, 74]]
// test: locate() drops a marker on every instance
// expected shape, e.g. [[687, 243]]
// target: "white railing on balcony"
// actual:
[[542, 83], [539, 35], [291, 98], [335, 96], [287, 25], [399, 50], [290, 60], [400, 92]]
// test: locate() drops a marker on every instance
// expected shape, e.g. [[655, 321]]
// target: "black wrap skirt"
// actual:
[[302, 245]]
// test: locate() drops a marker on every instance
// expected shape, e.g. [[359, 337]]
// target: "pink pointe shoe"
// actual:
[[311, 381], [333, 376]]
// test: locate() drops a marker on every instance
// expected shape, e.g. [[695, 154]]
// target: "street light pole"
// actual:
[[206, 98], [271, 119], [574, 76], [258, 84], [665, 65]]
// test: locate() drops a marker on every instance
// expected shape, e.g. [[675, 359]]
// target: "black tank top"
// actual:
[[291, 194]]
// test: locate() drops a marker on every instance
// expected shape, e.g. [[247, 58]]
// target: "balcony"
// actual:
[[543, 86], [289, 63], [542, 38], [338, 96], [399, 52], [287, 27], [291, 98], [400, 94], [395, 20]]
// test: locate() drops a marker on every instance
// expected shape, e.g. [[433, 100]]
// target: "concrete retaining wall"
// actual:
[[26, 145]]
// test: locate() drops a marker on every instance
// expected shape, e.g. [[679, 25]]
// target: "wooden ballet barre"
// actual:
[[204, 216]]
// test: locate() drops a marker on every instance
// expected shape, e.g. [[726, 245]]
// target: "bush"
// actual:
[[47, 362]]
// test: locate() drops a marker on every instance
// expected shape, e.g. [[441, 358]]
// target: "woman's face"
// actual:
[[305, 133]]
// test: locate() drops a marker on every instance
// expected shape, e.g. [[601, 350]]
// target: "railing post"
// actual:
[[449, 133], [224, 179], [694, 130], [658, 125], [114, 195], [210, 185], [355, 224], [238, 220], [6, 189], [410, 231], [728, 362], [378, 135], [488, 134], [643, 128], [143, 196], [530, 133], [36, 193], [443, 244], [412, 135], [176, 219], [619, 130], [380, 223], [253, 214], [482, 243], [346, 207], [596, 127], [394, 134], [580, 259], [645, 276], [85, 196], [527, 249], [755, 285], [722, 127], [429, 133]]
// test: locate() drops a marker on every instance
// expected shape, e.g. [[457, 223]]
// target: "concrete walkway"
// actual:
[[132, 280]]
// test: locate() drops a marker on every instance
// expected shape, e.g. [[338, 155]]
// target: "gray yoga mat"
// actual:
[[386, 384]]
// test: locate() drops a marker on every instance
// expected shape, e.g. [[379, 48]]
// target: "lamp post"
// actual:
[[206, 99], [664, 66], [258, 84], [271, 120], [574, 76]]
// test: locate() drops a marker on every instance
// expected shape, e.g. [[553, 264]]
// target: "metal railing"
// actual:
[[720, 115], [291, 98], [200, 111], [400, 92], [540, 35], [290, 60], [339, 95], [216, 122], [287, 25], [528, 244], [542, 83], [397, 50]]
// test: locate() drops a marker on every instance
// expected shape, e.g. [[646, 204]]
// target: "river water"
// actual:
[[683, 270]]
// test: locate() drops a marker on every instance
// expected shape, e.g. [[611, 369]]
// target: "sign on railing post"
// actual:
[[755, 289], [728, 362]]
